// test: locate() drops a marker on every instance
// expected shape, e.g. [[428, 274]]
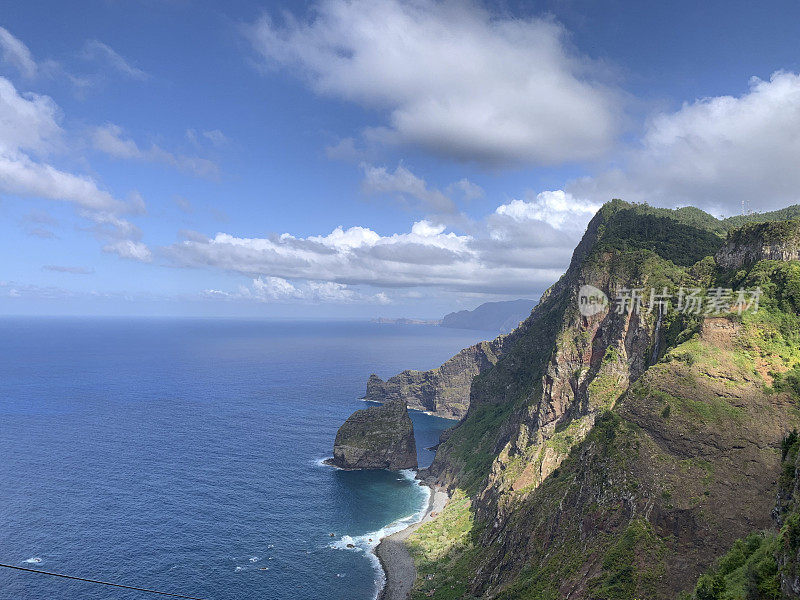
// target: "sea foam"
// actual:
[[367, 542]]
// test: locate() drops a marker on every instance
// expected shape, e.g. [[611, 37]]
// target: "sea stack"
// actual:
[[379, 437]]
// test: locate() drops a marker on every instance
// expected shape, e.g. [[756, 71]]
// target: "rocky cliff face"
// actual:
[[560, 370], [379, 437], [443, 391], [616, 455], [761, 241]]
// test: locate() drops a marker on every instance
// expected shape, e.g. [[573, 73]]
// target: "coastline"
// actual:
[[396, 562]]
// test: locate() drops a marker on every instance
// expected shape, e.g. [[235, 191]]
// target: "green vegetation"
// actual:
[[661, 447], [682, 236], [472, 443], [631, 565], [751, 569], [747, 572], [444, 551], [606, 387], [765, 232], [788, 382], [784, 214]]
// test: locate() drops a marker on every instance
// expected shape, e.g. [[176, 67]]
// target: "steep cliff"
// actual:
[[765, 565], [616, 454], [761, 241], [379, 437], [444, 390]]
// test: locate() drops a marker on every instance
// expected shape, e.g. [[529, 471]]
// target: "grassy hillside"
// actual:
[[613, 457]]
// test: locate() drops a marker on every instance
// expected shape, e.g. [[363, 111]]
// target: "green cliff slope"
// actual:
[[619, 455]]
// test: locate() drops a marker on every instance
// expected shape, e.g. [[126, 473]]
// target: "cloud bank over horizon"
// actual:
[[461, 152]]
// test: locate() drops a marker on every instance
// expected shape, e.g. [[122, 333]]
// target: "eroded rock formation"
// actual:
[[378, 437]]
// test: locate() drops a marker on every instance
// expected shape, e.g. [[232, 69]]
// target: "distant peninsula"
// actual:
[[501, 317], [498, 317]]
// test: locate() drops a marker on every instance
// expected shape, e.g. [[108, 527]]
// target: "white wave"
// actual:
[[320, 462], [33, 561], [367, 542]]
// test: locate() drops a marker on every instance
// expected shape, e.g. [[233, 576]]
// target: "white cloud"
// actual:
[[714, 153], [97, 50], [454, 78], [279, 290], [129, 249], [274, 288], [16, 53], [110, 140], [29, 131], [29, 121], [329, 291], [524, 259], [29, 125], [427, 229], [403, 183], [556, 208], [19, 175]]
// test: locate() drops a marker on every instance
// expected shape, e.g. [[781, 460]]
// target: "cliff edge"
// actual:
[[443, 391], [616, 454]]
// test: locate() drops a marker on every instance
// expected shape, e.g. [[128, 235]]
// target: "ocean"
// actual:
[[185, 455]]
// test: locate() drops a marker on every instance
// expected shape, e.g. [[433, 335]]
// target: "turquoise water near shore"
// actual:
[[184, 455]]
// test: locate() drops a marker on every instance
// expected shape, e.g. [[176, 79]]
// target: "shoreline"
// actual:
[[395, 560]]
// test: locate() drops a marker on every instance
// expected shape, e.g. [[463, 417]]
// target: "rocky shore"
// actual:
[[394, 557]]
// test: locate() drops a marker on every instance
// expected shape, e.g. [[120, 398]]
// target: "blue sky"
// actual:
[[355, 159]]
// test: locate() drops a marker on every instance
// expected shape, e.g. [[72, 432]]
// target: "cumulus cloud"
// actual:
[[557, 208], [97, 50], [30, 127], [405, 185], [16, 53], [274, 288], [715, 153], [110, 140], [519, 254], [453, 78], [29, 134]]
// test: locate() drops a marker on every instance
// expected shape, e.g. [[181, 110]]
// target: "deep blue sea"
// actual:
[[183, 455]]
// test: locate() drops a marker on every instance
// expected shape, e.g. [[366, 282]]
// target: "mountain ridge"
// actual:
[[543, 468]]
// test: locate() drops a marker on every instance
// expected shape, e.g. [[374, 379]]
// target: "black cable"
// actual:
[[118, 585]]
